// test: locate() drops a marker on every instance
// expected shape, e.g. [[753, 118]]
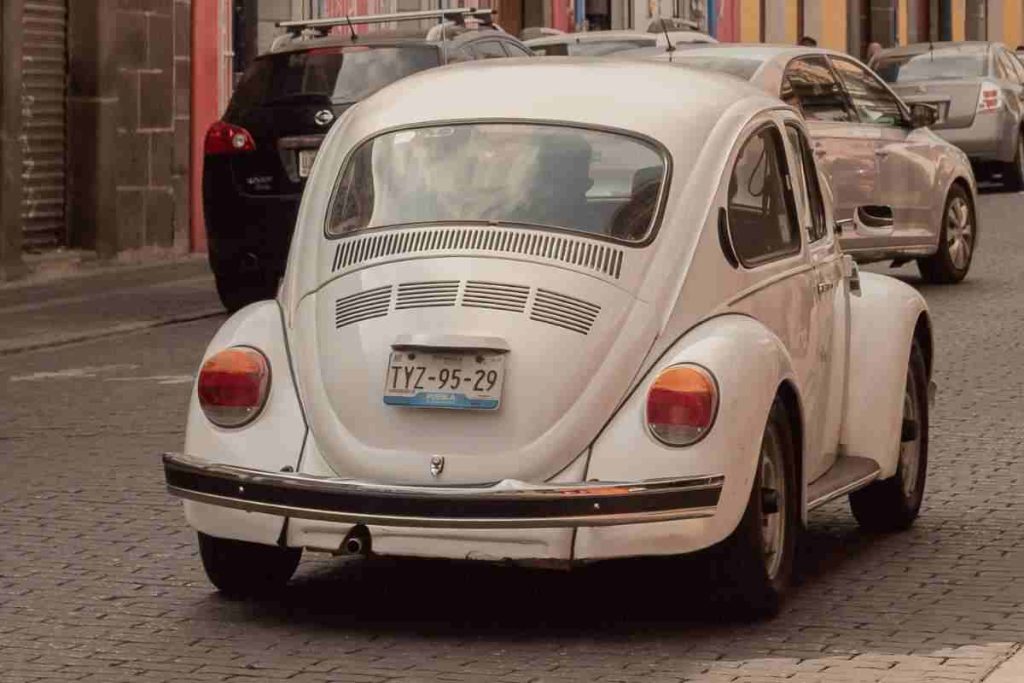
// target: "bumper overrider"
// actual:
[[506, 504]]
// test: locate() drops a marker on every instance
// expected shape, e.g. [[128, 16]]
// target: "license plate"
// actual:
[[466, 380], [306, 159]]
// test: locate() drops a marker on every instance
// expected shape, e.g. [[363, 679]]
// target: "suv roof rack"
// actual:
[[458, 15]]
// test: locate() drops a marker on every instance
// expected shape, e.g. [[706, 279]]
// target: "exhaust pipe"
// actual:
[[356, 543]]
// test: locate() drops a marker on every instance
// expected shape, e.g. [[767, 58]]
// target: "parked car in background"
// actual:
[[542, 324], [978, 90], [910, 194], [257, 157]]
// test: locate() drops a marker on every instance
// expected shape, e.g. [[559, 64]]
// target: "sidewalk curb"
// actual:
[[52, 341], [1010, 670]]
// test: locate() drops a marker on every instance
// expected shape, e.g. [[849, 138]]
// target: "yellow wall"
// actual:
[[1012, 28], [959, 17], [833, 28], [792, 22], [903, 23], [750, 21]]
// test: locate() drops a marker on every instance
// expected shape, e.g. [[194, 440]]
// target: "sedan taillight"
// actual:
[[990, 99], [233, 386], [226, 138], [681, 405]]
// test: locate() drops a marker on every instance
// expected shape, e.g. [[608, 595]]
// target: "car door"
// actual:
[[763, 220], [843, 149], [830, 312], [1011, 75], [907, 163]]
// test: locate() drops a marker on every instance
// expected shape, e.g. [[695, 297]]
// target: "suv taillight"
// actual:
[[990, 98], [226, 138]]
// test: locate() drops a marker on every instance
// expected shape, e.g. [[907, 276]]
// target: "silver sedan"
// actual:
[[976, 88], [904, 192]]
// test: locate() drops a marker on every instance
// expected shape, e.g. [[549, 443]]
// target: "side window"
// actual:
[[762, 218], [458, 54], [1010, 65], [810, 86], [806, 176], [488, 49], [872, 101]]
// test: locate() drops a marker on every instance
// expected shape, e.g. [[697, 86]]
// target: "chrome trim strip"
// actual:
[[507, 504], [842, 490]]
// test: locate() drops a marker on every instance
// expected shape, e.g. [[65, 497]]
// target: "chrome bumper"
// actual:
[[507, 504]]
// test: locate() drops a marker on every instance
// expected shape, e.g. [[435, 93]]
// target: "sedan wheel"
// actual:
[[957, 237]]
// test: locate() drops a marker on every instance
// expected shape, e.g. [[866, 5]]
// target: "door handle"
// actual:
[[819, 151], [881, 153]]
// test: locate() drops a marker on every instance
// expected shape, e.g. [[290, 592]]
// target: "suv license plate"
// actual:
[[463, 380], [306, 159]]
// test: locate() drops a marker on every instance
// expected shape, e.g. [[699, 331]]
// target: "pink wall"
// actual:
[[727, 26]]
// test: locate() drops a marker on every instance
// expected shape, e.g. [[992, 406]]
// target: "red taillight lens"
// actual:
[[990, 99], [225, 138], [681, 405], [233, 386]]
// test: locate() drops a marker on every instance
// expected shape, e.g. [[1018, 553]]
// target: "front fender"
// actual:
[[749, 363], [883, 320], [271, 442]]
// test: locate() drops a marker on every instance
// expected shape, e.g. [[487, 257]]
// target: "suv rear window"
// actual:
[[542, 176], [340, 74]]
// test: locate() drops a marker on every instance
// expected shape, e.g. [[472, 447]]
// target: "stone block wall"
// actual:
[[129, 124]]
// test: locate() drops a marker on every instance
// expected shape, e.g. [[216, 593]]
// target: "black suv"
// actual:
[[257, 157]]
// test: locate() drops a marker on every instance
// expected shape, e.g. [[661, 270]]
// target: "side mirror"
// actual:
[[867, 221], [923, 115]]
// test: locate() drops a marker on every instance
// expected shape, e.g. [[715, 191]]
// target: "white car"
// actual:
[[523, 321], [600, 43]]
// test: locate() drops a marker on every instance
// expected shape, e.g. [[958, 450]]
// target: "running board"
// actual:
[[848, 474]]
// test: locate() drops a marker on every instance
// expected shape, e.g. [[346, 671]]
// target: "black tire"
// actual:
[[749, 580], [958, 235], [894, 503], [240, 569], [1013, 172], [239, 290]]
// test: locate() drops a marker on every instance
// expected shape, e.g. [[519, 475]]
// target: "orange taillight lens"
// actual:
[[681, 405], [233, 386]]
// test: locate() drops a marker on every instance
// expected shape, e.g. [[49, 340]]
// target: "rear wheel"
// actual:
[[243, 569], [893, 504], [754, 565], [1013, 172], [957, 236]]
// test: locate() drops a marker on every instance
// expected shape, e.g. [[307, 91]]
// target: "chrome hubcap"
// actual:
[[959, 233], [910, 451], [773, 527]]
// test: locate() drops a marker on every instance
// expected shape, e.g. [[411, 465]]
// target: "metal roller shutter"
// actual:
[[44, 82]]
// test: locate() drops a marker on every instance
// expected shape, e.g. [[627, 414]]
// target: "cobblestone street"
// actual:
[[100, 580]]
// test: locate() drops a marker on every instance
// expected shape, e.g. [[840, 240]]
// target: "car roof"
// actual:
[[666, 103], [921, 48], [589, 37], [406, 36], [759, 51]]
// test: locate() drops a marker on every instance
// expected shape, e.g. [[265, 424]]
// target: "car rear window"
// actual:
[[744, 68], [935, 65], [591, 48], [340, 74], [522, 175]]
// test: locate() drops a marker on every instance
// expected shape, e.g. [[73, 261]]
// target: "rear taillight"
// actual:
[[233, 386], [990, 98], [681, 405], [226, 138]]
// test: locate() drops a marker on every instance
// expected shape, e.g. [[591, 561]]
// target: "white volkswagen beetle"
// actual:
[[526, 321]]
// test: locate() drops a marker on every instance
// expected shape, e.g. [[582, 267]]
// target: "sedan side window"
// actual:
[[807, 180], [488, 49], [872, 101], [810, 86], [761, 212], [516, 51]]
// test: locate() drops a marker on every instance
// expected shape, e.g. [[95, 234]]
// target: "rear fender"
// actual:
[[749, 364], [271, 442], [883, 320]]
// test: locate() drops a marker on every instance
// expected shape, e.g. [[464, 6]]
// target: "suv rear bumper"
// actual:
[[507, 504]]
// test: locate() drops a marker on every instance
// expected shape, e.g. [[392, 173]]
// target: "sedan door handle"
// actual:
[[819, 151], [881, 153]]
